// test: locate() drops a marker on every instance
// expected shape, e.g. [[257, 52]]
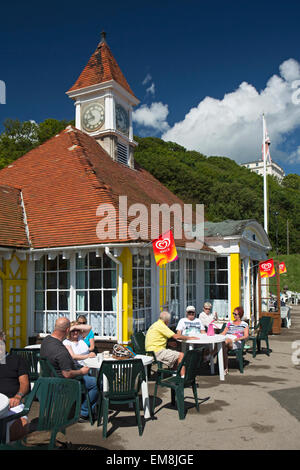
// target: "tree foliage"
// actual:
[[227, 190]]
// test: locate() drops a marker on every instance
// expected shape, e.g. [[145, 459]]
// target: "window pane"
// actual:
[[64, 298], [95, 262], [81, 280], [134, 298], [64, 280], [109, 279], [52, 264], [134, 277], [39, 322], [95, 279], [63, 264], [40, 264], [147, 277], [222, 277], [51, 300], [82, 301], [141, 278], [51, 280], [95, 301], [39, 300], [110, 324], [148, 297], [40, 281], [222, 262], [81, 263], [107, 262]]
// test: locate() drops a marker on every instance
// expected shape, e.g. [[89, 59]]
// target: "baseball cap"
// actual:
[[190, 308]]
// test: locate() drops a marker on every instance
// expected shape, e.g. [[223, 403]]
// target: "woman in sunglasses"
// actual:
[[235, 331]]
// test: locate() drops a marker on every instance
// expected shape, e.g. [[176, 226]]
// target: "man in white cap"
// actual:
[[190, 325]]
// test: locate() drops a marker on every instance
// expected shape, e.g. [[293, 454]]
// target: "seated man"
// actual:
[[190, 325], [14, 383], [53, 349], [156, 340]]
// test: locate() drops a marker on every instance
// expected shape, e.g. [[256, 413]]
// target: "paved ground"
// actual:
[[259, 409]]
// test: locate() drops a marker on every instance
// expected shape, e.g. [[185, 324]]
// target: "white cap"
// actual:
[[190, 308]]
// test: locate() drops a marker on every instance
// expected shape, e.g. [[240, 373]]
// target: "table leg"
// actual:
[[145, 396], [221, 361]]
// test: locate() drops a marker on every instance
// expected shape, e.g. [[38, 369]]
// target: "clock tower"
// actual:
[[103, 103]]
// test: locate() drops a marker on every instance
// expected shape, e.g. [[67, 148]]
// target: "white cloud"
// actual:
[[147, 79], [151, 89], [233, 126], [153, 116]]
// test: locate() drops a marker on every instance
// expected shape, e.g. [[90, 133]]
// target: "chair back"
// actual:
[[192, 361], [46, 368], [31, 358], [265, 325], [59, 404], [138, 342], [124, 378]]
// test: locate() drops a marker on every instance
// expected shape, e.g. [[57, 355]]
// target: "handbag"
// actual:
[[210, 329]]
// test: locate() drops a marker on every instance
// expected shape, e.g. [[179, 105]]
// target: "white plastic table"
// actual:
[[211, 341], [95, 363], [4, 405]]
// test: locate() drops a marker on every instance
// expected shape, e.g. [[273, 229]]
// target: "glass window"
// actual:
[[52, 292], [96, 293], [141, 291], [190, 268], [216, 285]]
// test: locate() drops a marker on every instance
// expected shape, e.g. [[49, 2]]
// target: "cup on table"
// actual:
[[105, 354]]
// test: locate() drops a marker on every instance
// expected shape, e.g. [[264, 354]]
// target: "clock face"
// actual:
[[93, 117], [122, 120]]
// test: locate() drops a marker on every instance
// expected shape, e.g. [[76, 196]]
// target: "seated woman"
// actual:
[[235, 331], [87, 335], [75, 344]]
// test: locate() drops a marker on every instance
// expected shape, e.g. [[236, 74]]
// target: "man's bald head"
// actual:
[[62, 324]]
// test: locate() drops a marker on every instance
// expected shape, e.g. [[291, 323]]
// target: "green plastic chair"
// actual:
[[261, 332], [124, 381], [59, 407], [47, 370], [239, 354], [31, 357], [138, 345], [192, 361]]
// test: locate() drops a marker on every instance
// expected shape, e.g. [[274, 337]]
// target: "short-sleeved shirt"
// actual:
[[10, 372], [54, 350], [79, 348], [190, 327], [87, 338], [236, 330], [157, 336]]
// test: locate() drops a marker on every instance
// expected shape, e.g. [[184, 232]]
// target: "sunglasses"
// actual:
[[81, 322]]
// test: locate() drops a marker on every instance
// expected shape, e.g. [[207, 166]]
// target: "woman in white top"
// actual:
[[206, 316], [75, 344]]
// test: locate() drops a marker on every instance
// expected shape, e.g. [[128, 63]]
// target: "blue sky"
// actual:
[[203, 71]]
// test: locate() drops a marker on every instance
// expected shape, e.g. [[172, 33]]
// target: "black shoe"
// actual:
[[83, 419]]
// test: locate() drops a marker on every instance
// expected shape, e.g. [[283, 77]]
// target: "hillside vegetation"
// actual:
[[227, 190]]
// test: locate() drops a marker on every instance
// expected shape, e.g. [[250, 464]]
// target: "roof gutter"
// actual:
[[120, 293]]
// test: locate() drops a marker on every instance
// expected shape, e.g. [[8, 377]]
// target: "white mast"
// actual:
[[265, 177]]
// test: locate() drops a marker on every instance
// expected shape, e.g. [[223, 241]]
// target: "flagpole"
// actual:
[[265, 177]]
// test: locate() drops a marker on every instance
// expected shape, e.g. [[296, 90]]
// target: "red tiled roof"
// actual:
[[64, 181], [102, 67], [12, 227]]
